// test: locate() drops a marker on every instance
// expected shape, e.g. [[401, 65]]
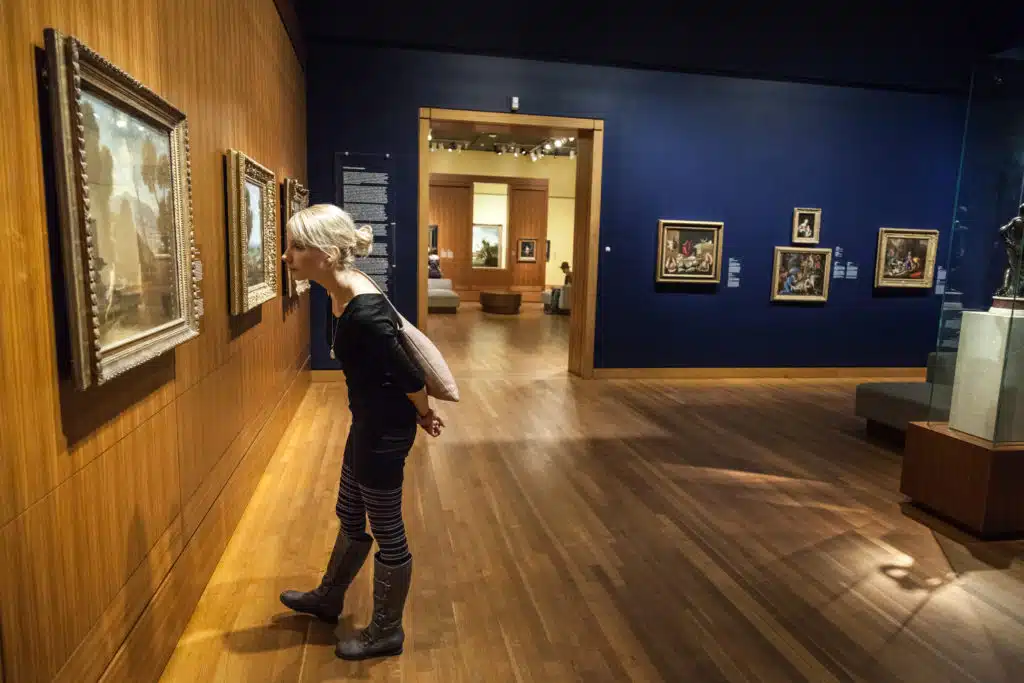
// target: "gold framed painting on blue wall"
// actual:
[[689, 251], [801, 274], [806, 226]]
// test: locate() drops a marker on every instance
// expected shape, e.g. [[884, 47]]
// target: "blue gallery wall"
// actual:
[[682, 146]]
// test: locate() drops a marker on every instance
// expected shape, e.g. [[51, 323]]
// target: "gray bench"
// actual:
[[889, 407]]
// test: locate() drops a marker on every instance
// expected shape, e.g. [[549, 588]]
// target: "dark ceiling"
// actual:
[[913, 45]]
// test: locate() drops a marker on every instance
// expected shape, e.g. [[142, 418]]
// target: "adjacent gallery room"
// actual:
[[731, 311]]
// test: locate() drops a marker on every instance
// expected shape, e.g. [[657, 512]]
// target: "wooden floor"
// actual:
[[619, 531]]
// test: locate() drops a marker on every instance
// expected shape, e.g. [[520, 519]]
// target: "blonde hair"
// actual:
[[331, 230]]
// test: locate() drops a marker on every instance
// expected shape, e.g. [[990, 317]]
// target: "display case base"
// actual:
[[966, 480]]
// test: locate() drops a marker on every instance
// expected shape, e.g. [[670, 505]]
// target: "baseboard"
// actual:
[[151, 641], [756, 373]]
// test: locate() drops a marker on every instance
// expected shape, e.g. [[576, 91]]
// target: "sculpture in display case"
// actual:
[[689, 251], [252, 228], [1013, 236], [124, 194], [296, 198]]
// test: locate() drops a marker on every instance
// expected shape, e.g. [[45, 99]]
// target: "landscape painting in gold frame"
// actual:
[[252, 231], [296, 198], [689, 251], [801, 274], [906, 258], [130, 265]]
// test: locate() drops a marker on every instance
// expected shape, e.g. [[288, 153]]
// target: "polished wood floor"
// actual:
[[599, 531]]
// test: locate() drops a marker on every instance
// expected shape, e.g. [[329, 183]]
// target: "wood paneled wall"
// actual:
[[116, 503], [451, 209]]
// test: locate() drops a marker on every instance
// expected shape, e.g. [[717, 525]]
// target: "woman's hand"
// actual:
[[432, 423]]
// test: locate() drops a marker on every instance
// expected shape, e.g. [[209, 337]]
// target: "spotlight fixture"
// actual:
[[572, 139], [547, 145], [533, 157], [430, 135], [558, 142]]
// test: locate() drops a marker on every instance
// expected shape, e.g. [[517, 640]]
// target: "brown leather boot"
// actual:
[[384, 636], [326, 601]]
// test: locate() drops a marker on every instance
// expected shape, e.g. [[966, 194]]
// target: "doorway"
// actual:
[[588, 141]]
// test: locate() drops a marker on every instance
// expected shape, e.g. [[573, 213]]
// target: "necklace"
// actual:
[[334, 337]]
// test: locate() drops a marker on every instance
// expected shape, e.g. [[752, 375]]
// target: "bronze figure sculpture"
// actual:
[[1013, 238]]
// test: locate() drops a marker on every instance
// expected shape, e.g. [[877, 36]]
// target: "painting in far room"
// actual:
[[801, 274], [906, 258], [689, 251], [528, 250], [486, 246], [806, 226]]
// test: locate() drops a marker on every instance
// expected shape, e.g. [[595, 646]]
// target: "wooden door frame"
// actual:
[[586, 227]]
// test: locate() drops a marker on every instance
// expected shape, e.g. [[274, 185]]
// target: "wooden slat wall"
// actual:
[[451, 209], [528, 218], [111, 497]]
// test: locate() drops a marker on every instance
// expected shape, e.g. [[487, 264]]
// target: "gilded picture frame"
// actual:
[[526, 250], [295, 199], [806, 226], [689, 251], [801, 274], [905, 258], [252, 231], [132, 271]]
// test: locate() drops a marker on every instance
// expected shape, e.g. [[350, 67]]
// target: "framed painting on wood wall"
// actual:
[[527, 251], [689, 251], [296, 198], [124, 193], [801, 274], [252, 233], [906, 258]]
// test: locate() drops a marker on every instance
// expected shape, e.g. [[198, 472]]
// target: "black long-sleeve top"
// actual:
[[378, 371]]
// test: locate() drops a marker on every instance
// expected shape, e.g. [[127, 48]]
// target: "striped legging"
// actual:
[[371, 486]]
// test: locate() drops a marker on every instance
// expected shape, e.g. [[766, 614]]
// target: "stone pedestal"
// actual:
[[988, 387]]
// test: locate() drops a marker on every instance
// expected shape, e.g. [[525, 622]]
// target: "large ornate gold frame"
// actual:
[[72, 67], [884, 235], [296, 198], [241, 168]]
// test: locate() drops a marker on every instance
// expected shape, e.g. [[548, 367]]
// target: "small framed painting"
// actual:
[[806, 226], [295, 199], [801, 274], [527, 250], [906, 258], [252, 229], [130, 264], [547, 257], [689, 251]]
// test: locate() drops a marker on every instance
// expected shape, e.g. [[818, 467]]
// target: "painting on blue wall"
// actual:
[[689, 251], [906, 258], [806, 226], [801, 274]]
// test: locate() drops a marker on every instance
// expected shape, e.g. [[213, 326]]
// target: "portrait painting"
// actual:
[[487, 246], [689, 251], [131, 269], [252, 227], [906, 258], [528, 250], [801, 274], [806, 226], [295, 198]]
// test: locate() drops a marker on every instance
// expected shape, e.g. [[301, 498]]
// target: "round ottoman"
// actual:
[[506, 303]]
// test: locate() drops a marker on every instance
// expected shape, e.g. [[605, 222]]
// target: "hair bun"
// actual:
[[364, 241]]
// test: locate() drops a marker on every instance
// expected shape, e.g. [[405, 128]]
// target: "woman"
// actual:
[[388, 398]]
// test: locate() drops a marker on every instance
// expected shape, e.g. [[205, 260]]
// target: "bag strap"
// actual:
[[374, 283]]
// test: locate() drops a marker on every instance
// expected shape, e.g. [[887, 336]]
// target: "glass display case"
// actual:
[[977, 370]]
